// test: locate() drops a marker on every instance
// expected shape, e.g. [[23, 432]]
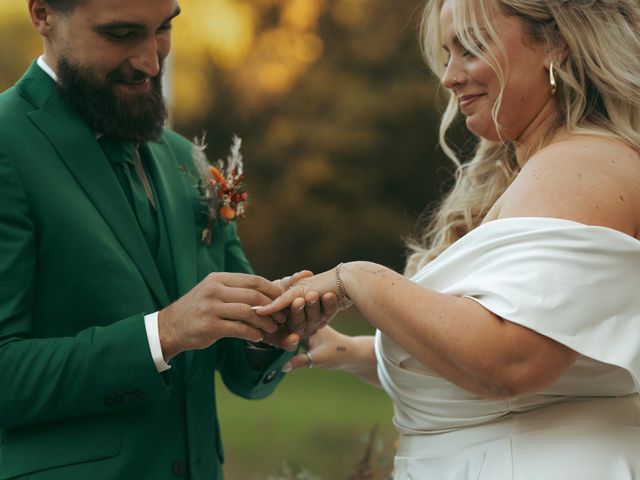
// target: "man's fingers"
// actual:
[[248, 296], [283, 282], [251, 282], [283, 339], [233, 329], [239, 312], [279, 317]]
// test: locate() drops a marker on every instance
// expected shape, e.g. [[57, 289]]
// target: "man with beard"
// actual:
[[111, 322]]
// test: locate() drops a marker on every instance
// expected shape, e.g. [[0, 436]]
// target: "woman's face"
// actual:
[[527, 93]]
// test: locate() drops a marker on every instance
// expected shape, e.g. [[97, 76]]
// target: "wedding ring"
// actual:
[[309, 359]]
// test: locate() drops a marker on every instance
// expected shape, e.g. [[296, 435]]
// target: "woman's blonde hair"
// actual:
[[596, 48]]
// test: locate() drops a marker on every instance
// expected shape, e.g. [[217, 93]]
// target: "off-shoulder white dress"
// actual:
[[577, 284]]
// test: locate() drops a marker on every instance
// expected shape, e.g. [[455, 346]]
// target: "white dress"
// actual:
[[577, 284]]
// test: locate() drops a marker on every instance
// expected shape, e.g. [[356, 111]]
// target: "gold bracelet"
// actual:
[[343, 298]]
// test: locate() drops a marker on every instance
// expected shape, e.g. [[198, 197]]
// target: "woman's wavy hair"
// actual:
[[596, 48]]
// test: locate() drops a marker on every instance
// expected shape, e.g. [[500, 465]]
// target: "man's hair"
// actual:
[[64, 6]]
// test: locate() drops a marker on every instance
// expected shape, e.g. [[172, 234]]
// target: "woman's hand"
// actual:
[[332, 350], [306, 289], [307, 314]]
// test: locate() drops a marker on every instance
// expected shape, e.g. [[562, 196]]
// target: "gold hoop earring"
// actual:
[[552, 80]]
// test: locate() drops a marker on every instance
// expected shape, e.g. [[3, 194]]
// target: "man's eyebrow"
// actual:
[[132, 25], [119, 25]]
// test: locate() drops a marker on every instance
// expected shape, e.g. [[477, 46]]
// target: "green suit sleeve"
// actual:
[[45, 379], [237, 374], [231, 354]]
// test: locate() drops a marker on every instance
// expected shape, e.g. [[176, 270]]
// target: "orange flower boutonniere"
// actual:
[[221, 186]]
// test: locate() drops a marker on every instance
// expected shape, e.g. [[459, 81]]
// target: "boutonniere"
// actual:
[[221, 186]]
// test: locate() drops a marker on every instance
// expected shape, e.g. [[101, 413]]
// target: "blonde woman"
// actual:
[[511, 347]]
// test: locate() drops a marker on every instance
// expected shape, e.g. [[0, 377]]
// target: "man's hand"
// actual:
[[219, 306]]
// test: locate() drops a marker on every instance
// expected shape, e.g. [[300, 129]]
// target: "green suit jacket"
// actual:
[[80, 397]]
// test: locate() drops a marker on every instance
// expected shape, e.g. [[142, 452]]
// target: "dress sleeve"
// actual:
[[574, 283]]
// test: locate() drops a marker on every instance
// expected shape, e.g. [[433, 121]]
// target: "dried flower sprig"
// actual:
[[221, 186]]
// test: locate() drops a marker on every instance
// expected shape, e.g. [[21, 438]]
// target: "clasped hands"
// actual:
[[279, 313]]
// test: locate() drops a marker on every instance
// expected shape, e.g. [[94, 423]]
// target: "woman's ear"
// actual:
[[557, 49], [561, 52]]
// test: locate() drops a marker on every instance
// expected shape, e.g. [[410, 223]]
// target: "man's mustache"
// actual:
[[133, 76]]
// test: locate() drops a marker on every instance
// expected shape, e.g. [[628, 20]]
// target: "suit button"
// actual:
[[269, 377], [179, 468]]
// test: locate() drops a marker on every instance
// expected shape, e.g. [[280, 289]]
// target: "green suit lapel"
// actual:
[[175, 202], [77, 146], [174, 199]]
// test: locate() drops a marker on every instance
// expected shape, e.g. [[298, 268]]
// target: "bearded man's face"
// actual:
[[109, 56], [139, 117]]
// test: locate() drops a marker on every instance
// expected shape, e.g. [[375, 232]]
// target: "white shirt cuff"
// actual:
[[153, 337]]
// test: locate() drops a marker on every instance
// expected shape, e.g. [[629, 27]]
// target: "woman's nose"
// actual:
[[453, 76]]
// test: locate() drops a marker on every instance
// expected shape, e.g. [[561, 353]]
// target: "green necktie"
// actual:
[[125, 158]]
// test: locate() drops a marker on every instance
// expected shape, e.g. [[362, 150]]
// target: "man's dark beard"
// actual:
[[133, 117]]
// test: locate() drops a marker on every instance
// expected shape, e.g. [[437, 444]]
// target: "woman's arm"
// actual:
[[456, 337], [594, 184], [332, 350]]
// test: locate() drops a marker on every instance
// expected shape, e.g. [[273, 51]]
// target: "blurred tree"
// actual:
[[19, 43], [340, 139]]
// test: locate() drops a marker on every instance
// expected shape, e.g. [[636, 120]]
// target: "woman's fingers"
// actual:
[[287, 282], [297, 319], [280, 303], [322, 352], [300, 275], [300, 362]]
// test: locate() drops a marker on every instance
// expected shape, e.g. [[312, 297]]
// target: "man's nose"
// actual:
[[147, 58]]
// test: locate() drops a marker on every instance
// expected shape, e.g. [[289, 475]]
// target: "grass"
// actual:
[[316, 421]]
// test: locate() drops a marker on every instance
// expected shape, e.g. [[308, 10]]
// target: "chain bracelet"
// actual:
[[343, 298]]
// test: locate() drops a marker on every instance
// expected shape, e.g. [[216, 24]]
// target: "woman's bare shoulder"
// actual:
[[588, 179], [582, 148]]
